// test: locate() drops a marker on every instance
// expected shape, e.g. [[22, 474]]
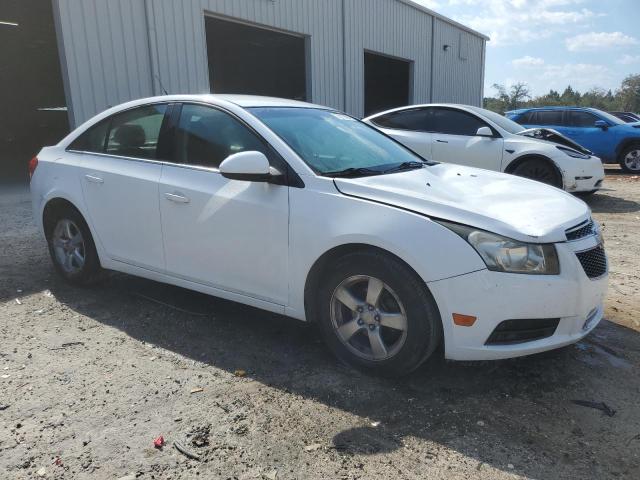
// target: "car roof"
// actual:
[[560, 108], [422, 105], [244, 101]]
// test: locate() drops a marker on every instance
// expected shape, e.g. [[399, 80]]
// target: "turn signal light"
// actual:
[[463, 320]]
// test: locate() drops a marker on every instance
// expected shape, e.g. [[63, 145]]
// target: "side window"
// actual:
[[548, 117], [135, 133], [581, 119], [206, 136], [455, 122], [527, 118], [416, 119], [92, 140]]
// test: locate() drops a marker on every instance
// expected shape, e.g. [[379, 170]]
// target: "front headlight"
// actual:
[[502, 254], [574, 153]]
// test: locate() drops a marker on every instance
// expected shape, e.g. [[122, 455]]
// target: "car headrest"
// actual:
[[130, 136]]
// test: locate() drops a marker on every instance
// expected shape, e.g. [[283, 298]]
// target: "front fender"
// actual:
[[433, 251]]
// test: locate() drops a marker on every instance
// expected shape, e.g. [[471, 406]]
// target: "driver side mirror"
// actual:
[[248, 166], [484, 132], [601, 124]]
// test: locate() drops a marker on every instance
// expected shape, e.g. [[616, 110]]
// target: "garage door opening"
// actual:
[[387, 83], [257, 61]]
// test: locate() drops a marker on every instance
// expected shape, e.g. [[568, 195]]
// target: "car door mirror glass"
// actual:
[[250, 166], [484, 132]]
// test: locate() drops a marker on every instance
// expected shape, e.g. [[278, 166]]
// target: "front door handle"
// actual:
[[441, 141], [174, 197], [93, 179]]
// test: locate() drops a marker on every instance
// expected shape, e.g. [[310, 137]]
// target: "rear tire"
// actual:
[[377, 315], [540, 170], [630, 159], [71, 247]]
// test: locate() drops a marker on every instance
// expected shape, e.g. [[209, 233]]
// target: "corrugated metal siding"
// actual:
[[107, 53], [456, 79], [117, 50], [391, 28], [180, 33]]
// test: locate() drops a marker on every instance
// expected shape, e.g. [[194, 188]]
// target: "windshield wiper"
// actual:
[[405, 166], [353, 172]]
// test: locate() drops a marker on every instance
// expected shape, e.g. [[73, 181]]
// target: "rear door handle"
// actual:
[[93, 179], [441, 141], [174, 197]]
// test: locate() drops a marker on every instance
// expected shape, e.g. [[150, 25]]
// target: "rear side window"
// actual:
[[416, 119], [581, 119], [526, 118], [135, 133], [455, 122], [206, 136], [548, 117], [92, 140]]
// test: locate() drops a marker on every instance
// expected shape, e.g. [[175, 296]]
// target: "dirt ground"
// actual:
[[90, 377]]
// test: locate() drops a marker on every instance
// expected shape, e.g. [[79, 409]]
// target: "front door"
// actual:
[[454, 140], [228, 234], [120, 185], [581, 128]]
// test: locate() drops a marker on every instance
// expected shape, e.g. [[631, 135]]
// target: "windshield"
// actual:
[[503, 122], [331, 142]]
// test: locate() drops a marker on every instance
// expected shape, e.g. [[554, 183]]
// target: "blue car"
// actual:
[[608, 137]]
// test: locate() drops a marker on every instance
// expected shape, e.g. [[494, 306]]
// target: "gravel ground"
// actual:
[[90, 377]]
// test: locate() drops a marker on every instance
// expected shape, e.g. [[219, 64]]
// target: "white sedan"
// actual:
[[305, 211], [480, 138]]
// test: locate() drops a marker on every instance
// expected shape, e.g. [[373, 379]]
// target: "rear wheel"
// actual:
[[377, 315], [630, 159], [72, 249], [540, 170]]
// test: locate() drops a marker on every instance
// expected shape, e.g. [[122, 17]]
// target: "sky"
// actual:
[[550, 44]]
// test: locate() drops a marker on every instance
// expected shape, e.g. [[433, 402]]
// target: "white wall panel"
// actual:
[[456, 79]]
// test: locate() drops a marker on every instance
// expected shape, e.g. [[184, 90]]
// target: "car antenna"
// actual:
[[164, 90]]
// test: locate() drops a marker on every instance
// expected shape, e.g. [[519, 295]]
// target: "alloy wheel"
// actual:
[[68, 246], [368, 318], [632, 160]]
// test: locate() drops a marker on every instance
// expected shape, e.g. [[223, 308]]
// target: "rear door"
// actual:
[[409, 127], [227, 234], [121, 170], [548, 118], [455, 140]]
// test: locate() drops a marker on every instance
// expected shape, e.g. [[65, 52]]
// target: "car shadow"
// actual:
[[607, 202], [521, 405]]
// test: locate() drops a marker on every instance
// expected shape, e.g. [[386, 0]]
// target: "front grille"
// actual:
[[594, 261], [580, 231], [511, 332]]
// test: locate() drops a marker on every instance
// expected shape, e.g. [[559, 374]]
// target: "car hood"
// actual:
[[515, 207], [553, 136]]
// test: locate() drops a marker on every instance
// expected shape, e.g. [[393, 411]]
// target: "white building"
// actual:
[[359, 56]]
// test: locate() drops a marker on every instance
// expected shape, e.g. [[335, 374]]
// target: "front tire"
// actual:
[[72, 249], [540, 170], [377, 315], [630, 159]]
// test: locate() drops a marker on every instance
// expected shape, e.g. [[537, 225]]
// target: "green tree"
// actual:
[[628, 95]]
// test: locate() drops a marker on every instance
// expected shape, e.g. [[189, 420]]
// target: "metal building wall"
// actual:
[[458, 71], [105, 54], [391, 28], [116, 50], [181, 49]]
